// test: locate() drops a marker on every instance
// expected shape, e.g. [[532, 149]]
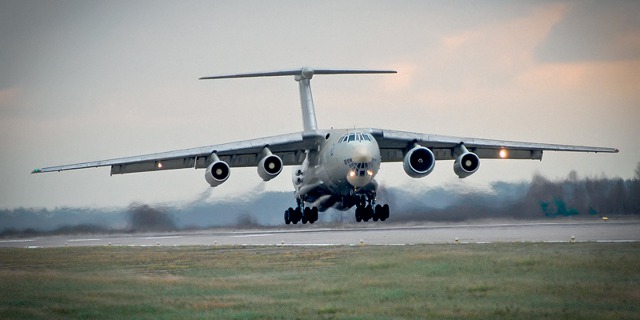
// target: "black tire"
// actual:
[[287, 216], [306, 215], [297, 215], [385, 210], [378, 213], [368, 213]]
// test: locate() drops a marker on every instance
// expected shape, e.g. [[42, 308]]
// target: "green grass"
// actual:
[[489, 281]]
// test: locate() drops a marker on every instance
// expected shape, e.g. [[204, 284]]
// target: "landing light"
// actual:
[[370, 172], [352, 173], [503, 153], [159, 165]]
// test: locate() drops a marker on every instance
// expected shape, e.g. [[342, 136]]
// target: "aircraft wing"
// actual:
[[289, 147], [394, 143]]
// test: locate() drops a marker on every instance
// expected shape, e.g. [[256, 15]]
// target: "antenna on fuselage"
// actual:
[[303, 77]]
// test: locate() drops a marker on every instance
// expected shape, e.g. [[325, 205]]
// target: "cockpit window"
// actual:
[[356, 137]]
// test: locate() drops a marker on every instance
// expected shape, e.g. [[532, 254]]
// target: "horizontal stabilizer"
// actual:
[[303, 77], [304, 73]]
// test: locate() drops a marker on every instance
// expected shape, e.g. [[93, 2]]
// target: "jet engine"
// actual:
[[418, 162], [269, 167], [466, 163], [217, 172]]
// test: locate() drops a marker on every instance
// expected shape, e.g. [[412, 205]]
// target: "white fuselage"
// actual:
[[344, 164]]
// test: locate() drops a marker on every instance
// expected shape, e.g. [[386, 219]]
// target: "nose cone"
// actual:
[[361, 154], [361, 175]]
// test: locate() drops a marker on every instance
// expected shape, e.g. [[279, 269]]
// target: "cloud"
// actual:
[[620, 76], [481, 63], [499, 64], [594, 31]]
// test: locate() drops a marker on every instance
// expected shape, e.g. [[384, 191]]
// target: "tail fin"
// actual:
[[303, 76]]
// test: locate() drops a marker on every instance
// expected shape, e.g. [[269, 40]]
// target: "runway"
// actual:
[[365, 234]]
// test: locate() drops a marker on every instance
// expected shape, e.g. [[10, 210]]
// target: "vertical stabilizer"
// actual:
[[306, 103], [306, 100]]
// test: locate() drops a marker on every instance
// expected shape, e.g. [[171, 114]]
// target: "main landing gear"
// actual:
[[301, 213], [364, 213], [367, 209]]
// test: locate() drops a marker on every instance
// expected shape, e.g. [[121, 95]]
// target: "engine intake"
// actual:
[[269, 167], [419, 162], [217, 172]]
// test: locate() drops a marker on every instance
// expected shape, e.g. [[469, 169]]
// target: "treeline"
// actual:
[[136, 218], [539, 198], [587, 196]]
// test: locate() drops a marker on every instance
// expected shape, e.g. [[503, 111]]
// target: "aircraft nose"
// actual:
[[362, 174], [360, 178], [361, 154]]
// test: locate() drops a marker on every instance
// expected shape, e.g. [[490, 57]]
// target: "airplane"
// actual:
[[332, 168]]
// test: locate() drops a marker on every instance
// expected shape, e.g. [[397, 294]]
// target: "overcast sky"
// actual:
[[92, 80]]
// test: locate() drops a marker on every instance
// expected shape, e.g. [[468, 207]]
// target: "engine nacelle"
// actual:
[[217, 173], [419, 162], [466, 164], [269, 167]]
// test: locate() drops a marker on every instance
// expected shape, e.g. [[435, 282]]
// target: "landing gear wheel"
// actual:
[[306, 214], [368, 213], [314, 215], [377, 213], [287, 215], [297, 215], [384, 212]]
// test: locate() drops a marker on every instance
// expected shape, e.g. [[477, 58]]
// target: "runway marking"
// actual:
[[81, 240], [308, 245], [253, 235], [17, 240], [162, 237]]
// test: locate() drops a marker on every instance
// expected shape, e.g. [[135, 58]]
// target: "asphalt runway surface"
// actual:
[[363, 234]]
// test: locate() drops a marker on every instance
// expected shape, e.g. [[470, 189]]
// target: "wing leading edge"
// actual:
[[289, 147], [394, 143]]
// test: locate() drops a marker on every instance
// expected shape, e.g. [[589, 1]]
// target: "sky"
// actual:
[[92, 80]]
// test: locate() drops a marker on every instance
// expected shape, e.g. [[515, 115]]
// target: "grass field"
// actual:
[[484, 281]]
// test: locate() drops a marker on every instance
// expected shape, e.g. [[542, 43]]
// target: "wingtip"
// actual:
[[36, 171]]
